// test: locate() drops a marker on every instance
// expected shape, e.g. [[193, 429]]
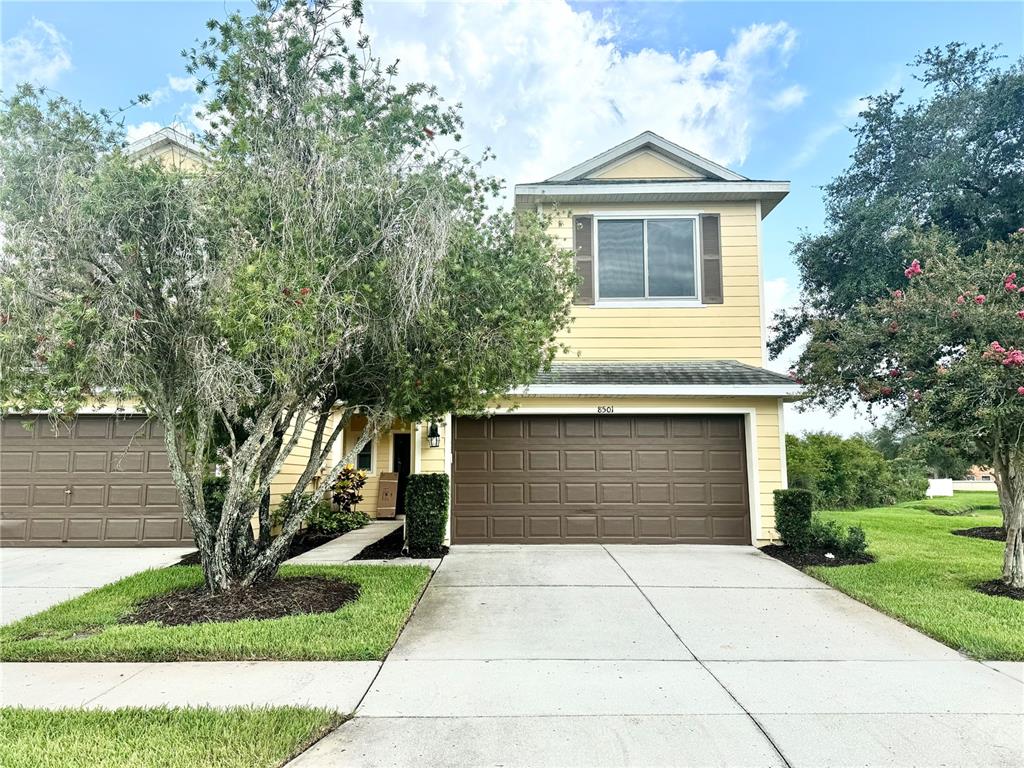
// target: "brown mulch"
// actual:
[[999, 588], [301, 543], [273, 600], [990, 532], [814, 557]]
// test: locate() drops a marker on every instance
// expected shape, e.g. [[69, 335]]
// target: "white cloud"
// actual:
[[37, 54], [181, 84], [788, 98], [141, 130], [547, 86], [174, 85]]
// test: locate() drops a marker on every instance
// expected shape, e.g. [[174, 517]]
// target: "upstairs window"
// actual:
[[652, 258]]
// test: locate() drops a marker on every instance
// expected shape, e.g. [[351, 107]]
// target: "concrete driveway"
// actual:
[[32, 579], [669, 655]]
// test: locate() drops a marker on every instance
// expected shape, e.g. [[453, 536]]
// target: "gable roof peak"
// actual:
[[652, 141]]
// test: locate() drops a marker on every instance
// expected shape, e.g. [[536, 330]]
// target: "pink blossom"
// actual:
[[995, 346], [1013, 358], [914, 269], [1020, 314], [1010, 287], [886, 391], [960, 299], [979, 299], [1020, 390], [895, 373], [897, 294]]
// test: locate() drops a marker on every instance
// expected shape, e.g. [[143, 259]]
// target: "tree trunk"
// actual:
[[1009, 471]]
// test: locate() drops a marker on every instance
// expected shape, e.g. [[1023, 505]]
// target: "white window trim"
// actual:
[[647, 300]]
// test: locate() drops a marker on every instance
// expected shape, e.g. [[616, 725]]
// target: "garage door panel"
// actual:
[[52, 461], [134, 461], [93, 481], [88, 529], [645, 478], [543, 461]]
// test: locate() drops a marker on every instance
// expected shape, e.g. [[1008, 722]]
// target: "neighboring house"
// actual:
[[661, 424], [980, 474]]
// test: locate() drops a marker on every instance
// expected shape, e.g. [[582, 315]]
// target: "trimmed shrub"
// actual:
[[426, 513], [793, 517], [327, 520]]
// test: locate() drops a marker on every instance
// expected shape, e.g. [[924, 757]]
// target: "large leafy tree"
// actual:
[[945, 351], [335, 255], [951, 161]]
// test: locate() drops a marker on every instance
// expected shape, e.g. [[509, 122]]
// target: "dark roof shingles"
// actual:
[[686, 373]]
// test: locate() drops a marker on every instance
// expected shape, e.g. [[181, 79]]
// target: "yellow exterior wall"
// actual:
[[731, 330], [767, 441], [172, 155], [646, 165]]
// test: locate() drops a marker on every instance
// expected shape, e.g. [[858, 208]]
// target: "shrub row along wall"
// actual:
[[845, 473]]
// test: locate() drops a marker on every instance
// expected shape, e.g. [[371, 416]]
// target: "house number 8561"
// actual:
[[606, 409]]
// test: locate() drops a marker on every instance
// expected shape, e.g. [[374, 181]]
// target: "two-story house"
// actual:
[[659, 425]]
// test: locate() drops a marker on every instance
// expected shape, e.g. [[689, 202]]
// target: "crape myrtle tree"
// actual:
[[944, 350], [335, 255]]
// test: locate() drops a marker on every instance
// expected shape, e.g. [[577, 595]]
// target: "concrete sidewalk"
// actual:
[[32, 579], [671, 655], [335, 685]]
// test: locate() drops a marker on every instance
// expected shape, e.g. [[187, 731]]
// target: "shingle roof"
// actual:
[[684, 373]]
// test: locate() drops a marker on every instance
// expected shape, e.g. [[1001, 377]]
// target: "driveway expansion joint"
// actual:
[[738, 703]]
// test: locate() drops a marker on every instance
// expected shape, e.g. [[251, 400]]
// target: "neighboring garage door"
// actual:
[[626, 479], [96, 481]]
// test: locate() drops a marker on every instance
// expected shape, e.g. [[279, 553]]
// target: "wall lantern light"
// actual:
[[433, 435]]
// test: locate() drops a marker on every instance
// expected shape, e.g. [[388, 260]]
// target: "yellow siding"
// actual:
[[767, 443], [730, 330], [646, 165], [173, 156], [293, 465]]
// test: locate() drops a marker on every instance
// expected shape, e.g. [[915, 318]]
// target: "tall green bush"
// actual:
[[793, 517], [846, 473], [426, 513]]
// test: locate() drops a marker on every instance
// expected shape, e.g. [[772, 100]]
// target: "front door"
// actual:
[[401, 463]]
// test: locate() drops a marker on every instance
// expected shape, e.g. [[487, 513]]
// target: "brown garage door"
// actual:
[[97, 481], [639, 479]]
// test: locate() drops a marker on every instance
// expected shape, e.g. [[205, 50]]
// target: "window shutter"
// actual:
[[583, 250], [711, 259]]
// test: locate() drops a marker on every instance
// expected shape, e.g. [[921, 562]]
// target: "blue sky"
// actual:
[[766, 88]]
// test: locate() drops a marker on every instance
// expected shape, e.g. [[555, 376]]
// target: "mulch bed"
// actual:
[[813, 557], [990, 532], [301, 543], [273, 600], [390, 548], [998, 588]]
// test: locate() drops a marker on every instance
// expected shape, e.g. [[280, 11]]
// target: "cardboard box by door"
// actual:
[[387, 495]]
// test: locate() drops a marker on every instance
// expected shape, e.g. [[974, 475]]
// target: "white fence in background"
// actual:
[[974, 485]]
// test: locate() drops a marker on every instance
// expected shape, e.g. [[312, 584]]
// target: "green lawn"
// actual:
[[85, 628], [158, 738], [924, 575]]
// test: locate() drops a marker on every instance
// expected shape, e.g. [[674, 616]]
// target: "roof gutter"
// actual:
[[794, 391]]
